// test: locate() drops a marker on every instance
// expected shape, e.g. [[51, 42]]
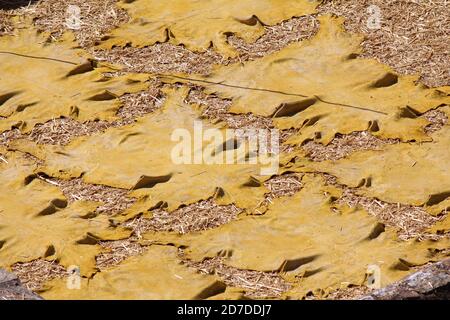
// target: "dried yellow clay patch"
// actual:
[[275, 38], [168, 58], [62, 130], [41, 81], [413, 36], [139, 157], [197, 24], [311, 245], [252, 284], [415, 174], [157, 274], [318, 85], [36, 222]]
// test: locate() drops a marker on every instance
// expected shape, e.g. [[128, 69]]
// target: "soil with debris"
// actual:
[[412, 39], [113, 200], [411, 222], [96, 20], [12, 289], [412, 36], [118, 251], [199, 216], [256, 284], [216, 109], [343, 145], [36, 273], [437, 119]]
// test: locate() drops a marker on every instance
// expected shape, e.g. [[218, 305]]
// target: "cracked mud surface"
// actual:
[[85, 152]]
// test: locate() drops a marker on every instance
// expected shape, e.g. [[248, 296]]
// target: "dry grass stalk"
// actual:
[[343, 145], [114, 200], [36, 273], [5, 23], [163, 58], [437, 118], [410, 221], [7, 136], [257, 284], [216, 109], [199, 216], [97, 18], [167, 58], [350, 293], [62, 131], [284, 136], [413, 38], [285, 185], [135, 105], [9, 9], [118, 251], [275, 38]]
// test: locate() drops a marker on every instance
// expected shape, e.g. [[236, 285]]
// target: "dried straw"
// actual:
[[36, 273], [345, 144], [118, 251], [256, 284], [113, 200], [413, 38], [199, 216], [97, 18], [411, 221]]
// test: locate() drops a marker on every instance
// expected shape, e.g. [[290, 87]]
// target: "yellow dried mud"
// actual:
[[413, 173], [45, 226], [312, 246], [291, 227], [157, 274], [318, 84], [198, 24], [139, 157], [49, 80]]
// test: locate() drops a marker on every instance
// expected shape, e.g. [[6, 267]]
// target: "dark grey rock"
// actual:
[[432, 282], [11, 288]]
